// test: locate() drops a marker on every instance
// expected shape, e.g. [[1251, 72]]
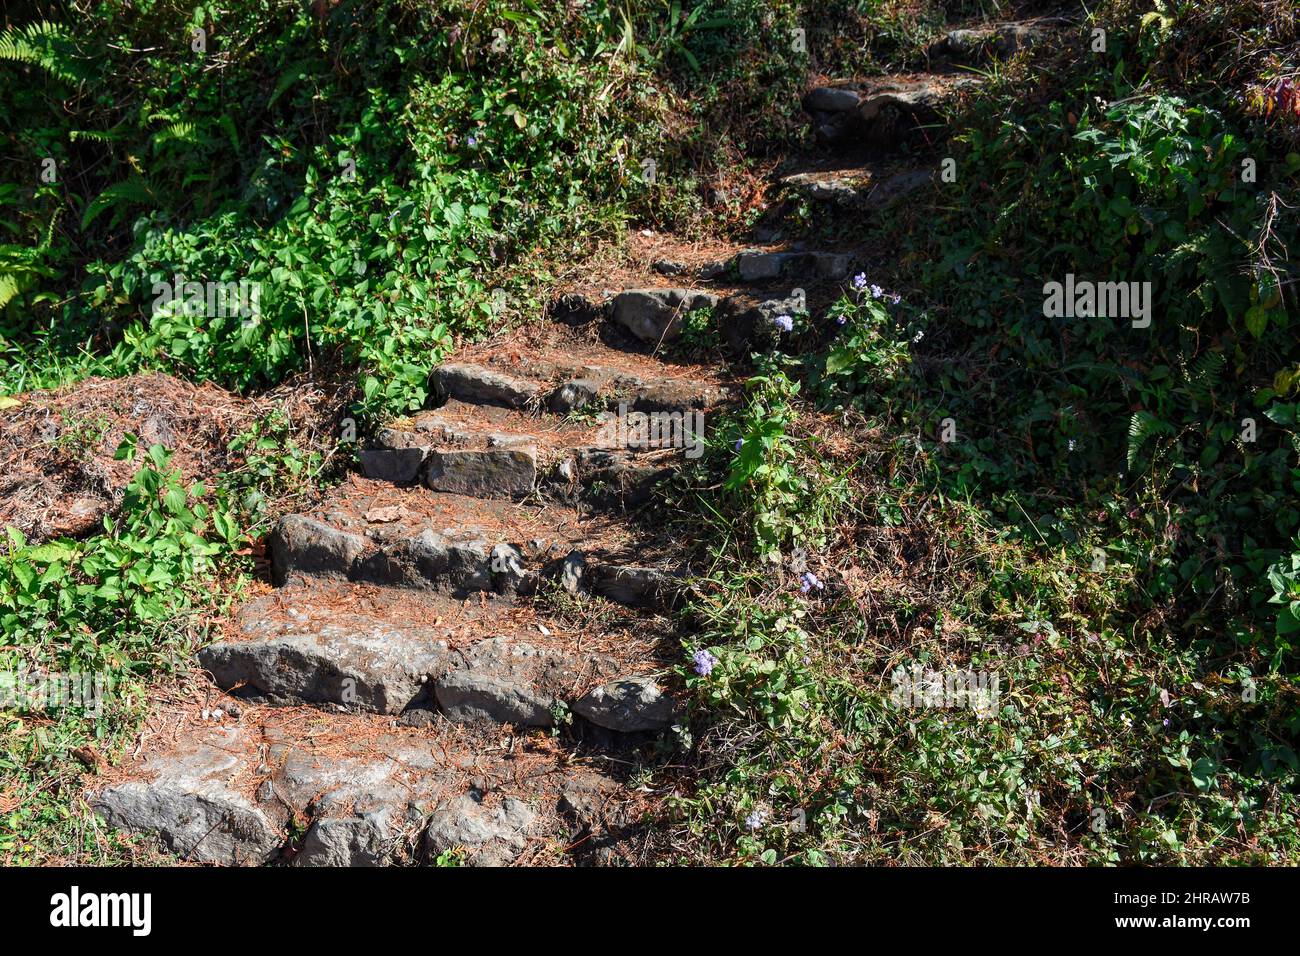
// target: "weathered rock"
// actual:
[[398, 465], [489, 473], [363, 800], [440, 562], [831, 99], [303, 546], [509, 572], [920, 96], [758, 266], [573, 395], [573, 571], [351, 660], [490, 835], [977, 45], [194, 806], [887, 109], [675, 395], [628, 705], [616, 476], [573, 309], [634, 586], [485, 386], [361, 840], [824, 187], [654, 315], [509, 682]]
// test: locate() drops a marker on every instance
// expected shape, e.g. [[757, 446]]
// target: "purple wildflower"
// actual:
[[895, 298], [784, 322], [841, 319], [877, 292], [809, 582], [756, 819], [860, 281], [471, 141], [740, 442], [704, 662]]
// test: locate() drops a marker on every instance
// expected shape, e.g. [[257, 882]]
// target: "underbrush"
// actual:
[[93, 627], [1034, 594]]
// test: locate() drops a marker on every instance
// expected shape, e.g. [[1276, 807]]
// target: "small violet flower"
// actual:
[[841, 319], [756, 819], [471, 141], [704, 662], [809, 582], [740, 442], [784, 322], [860, 281], [877, 292]]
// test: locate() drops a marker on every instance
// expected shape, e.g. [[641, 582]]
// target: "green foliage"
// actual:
[[86, 602], [48, 46], [373, 171], [1150, 188], [865, 358], [1111, 534], [764, 478]]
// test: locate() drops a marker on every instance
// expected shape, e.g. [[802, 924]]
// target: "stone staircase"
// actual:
[[862, 126], [432, 607], [465, 645]]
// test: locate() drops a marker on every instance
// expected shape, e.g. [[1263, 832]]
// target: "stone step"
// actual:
[[764, 266], [315, 789], [551, 367], [991, 41], [494, 452], [860, 187], [881, 112], [418, 539], [471, 660]]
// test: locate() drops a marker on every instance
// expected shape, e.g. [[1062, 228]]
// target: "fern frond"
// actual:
[[47, 46], [130, 192], [1142, 426], [182, 132], [1205, 375], [9, 287]]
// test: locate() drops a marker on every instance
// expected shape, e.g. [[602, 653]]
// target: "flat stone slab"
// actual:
[[860, 188], [762, 266], [887, 108], [507, 681], [351, 660], [193, 804], [627, 706], [980, 44], [236, 795], [485, 386], [483, 473], [635, 586], [832, 99], [398, 465], [469, 545]]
